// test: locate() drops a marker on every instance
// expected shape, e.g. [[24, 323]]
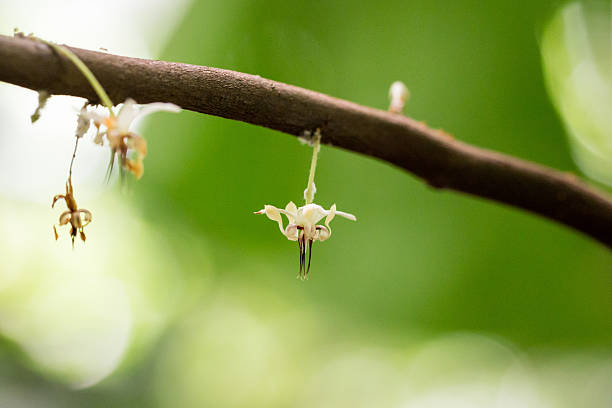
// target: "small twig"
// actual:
[[443, 162]]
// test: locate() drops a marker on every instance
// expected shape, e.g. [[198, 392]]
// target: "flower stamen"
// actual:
[[309, 256]]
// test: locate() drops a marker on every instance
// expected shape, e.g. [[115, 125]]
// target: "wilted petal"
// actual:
[[57, 197], [115, 139], [43, 97], [86, 216], [83, 123], [65, 217], [76, 221], [98, 138], [136, 167], [138, 143]]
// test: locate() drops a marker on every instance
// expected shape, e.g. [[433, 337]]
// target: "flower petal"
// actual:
[[291, 207], [274, 214], [290, 211], [310, 214], [291, 232], [323, 233], [138, 143], [58, 197], [98, 139], [136, 167], [346, 215], [65, 217], [86, 216], [92, 115], [158, 107], [328, 219], [126, 115], [83, 122], [76, 220], [130, 112]]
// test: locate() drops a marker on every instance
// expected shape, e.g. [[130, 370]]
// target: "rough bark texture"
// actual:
[[428, 153]]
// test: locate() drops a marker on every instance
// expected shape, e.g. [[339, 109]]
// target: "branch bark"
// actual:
[[430, 154]]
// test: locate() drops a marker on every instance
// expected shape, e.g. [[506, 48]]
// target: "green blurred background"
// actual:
[[430, 299]]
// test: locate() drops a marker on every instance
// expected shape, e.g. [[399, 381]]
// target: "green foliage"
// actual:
[[577, 56], [416, 259]]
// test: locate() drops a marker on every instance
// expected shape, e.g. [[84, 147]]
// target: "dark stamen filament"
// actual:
[[309, 256], [304, 268], [301, 251]]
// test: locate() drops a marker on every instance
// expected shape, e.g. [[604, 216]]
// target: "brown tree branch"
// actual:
[[430, 154]]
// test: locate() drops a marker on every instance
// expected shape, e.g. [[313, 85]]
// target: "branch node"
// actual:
[[308, 137]]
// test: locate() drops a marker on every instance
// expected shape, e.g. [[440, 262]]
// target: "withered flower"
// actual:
[[78, 218]]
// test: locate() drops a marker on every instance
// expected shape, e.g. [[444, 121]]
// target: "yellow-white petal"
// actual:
[[130, 111], [91, 115], [330, 217], [158, 107], [291, 232], [291, 211], [346, 215], [274, 214], [323, 233], [310, 214], [126, 115]]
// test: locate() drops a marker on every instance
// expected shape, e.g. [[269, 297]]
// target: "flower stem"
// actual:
[[95, 84], [76, 146], [310, 191]]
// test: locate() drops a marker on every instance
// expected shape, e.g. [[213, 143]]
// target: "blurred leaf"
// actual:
[[577, 58]]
